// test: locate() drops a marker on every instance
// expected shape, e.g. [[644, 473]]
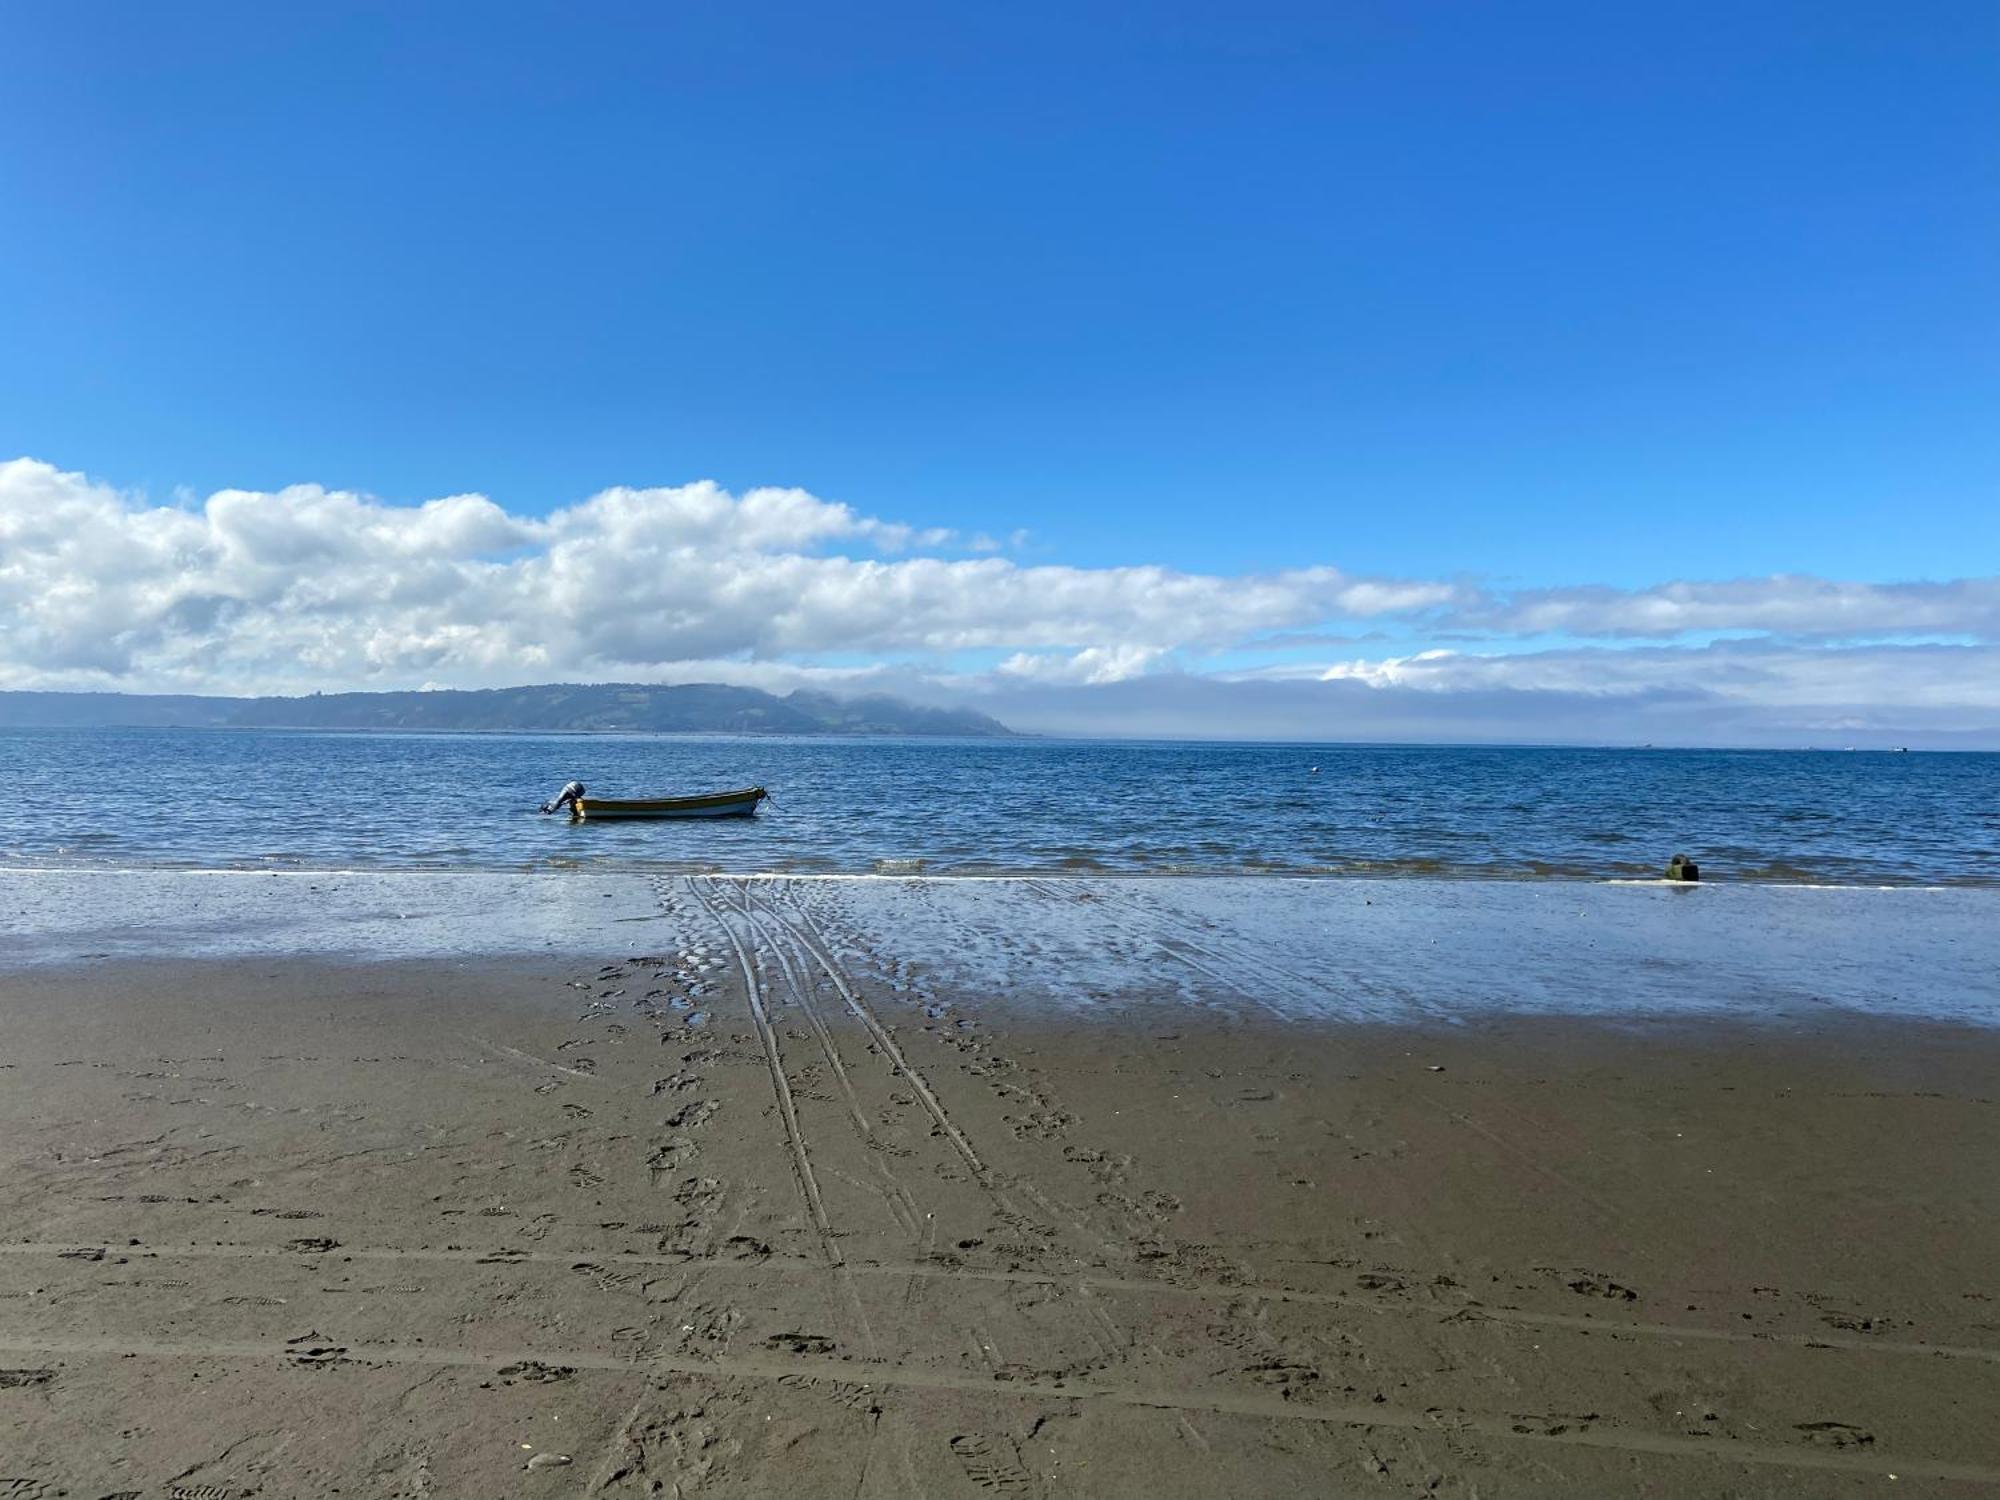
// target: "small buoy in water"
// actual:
[[1680, 867]]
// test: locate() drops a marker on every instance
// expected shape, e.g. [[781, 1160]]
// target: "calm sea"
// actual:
[[227, 799]]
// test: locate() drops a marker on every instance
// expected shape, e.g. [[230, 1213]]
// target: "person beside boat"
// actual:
[[568, 797], [736, 804]]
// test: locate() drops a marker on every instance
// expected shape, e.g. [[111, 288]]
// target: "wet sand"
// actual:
[[760, 1204]]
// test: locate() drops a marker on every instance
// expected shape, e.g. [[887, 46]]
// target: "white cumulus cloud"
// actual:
[[304, 587], [1787, 604], [1092, 664]]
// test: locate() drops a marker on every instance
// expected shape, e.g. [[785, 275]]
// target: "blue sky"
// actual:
[[1518, 296]]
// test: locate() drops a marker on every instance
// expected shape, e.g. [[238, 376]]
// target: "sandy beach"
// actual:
[[723, 1191]]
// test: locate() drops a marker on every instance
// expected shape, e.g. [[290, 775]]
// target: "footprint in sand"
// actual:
[[1288, 1377], [1594, 1284], [533, 1372], [604, 1280], [1026, 1225], [1836, 1434], [1104, 1166], [1554, 1424], [538, 1227], [859, 1398], [669, 1157], [693, 1116], [993, 1464], [709, 1323], [1856, 1323], [1148, 1208], [699, 1194], [800, 1343], [1041, 1125]]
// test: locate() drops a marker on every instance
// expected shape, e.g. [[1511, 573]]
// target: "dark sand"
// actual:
[[287, 1228]]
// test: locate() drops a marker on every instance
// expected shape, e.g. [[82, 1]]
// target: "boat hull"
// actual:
[[630, 810]]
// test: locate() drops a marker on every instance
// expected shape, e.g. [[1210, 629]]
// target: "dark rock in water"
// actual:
[[1680, 867]]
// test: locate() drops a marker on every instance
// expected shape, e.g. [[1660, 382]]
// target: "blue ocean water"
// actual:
[[237, 799]]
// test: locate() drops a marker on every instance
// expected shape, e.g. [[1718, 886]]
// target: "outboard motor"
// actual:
[[567, 797]]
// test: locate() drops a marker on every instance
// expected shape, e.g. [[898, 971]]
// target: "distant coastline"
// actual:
[[566, 708]]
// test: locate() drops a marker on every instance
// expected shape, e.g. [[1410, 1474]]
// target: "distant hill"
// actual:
[[611, 706]]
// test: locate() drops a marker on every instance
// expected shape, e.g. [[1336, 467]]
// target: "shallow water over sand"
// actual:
[[1295, 949]]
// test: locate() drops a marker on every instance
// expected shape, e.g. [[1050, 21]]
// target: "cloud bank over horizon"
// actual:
[[306, 589]]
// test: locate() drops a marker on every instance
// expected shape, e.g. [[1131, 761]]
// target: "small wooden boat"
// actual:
[[711, 805]]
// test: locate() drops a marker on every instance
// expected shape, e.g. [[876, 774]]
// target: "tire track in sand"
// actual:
[[788, 1112], [812, 939], [902, 1206], [753, 990]]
